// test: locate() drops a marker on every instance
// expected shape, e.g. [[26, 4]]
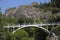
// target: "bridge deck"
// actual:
[[32, 25]]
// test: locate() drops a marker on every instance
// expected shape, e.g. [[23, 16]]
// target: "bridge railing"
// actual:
[[42, 24]]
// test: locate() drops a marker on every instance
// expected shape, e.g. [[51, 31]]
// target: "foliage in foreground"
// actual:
[[56, 30], [20, 35]]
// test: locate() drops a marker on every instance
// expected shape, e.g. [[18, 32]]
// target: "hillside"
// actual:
[[28, 11], [34, 11]]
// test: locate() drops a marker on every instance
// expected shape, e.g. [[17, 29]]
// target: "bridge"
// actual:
[[31, 25]]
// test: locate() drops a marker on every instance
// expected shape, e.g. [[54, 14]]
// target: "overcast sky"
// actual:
[[5, 4]]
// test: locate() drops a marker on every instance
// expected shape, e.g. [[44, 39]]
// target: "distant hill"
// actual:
[[31, 11], [28, 11]]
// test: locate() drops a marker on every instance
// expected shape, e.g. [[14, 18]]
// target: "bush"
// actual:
[[56, 30], [20, 35]]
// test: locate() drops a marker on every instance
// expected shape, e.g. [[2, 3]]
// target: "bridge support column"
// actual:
[[13, 28], [8, 30], [52, 27], [20, 26], [46, 27]]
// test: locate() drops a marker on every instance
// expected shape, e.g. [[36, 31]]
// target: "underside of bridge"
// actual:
[[35, 33]]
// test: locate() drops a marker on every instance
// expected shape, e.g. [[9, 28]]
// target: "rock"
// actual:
[[52, 37], [9, 11]]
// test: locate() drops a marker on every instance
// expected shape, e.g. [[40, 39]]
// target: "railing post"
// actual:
[[46, 26], [20, 26], [8, 28], [13, 27], [41, 24]]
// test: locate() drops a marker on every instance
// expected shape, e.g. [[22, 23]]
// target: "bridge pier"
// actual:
[[8, 29], [46, 26], [13, 28]]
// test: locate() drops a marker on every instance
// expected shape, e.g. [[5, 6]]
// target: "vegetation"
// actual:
[[4, 35], [31, 33], [56, 30], [25, 20], [55, 3], [20, 35]]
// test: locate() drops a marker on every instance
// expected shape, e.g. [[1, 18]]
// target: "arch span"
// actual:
[[31, 26]]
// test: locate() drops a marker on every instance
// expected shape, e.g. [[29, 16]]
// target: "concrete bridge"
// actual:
[[31, 25]]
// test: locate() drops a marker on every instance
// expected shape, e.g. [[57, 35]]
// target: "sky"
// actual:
[[5, 4]]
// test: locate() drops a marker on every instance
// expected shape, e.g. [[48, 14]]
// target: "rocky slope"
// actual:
[[30, 11], [27, 11], [9, 11]]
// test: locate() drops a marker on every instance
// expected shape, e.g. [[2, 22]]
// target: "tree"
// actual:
[[26, 20], [51, 19], [56, 30], [20, 35], [9, 20], [55, 2], [37, 20], [2, 32], [40, 34]]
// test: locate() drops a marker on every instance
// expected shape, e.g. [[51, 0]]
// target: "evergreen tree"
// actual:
[[2, 37], [55, 2]]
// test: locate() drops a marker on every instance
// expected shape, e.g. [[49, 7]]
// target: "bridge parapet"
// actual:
[[45, 24]]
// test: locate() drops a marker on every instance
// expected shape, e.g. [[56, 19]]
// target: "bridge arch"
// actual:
[[32, 26]]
